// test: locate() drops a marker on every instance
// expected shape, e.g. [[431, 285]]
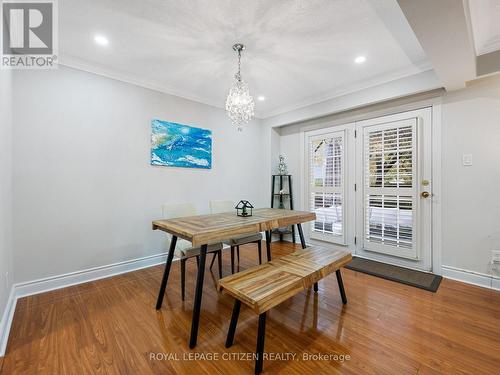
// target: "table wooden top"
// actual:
[[265, 286], [205, 229]]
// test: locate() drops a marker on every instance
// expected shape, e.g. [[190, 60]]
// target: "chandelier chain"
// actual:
[[239, 65]]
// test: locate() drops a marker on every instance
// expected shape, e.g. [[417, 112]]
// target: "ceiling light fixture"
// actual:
[[101, 40], [261, 98], [239, 103], [360, 59]]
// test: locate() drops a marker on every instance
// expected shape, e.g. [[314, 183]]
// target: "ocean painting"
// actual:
[[177, 145]]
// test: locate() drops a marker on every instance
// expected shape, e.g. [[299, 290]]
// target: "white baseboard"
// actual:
[[471, 277], [62, 281], [73, 278], [6, 321]]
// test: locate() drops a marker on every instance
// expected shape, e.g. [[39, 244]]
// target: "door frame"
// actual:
[[405, 105]]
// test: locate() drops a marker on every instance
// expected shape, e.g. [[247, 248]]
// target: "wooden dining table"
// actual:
[[203, 230]]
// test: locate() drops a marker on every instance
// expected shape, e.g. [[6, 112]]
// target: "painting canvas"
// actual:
[[177, 145]]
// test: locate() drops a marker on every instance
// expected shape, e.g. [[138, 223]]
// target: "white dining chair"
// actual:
[[183, 249], [235, 242]]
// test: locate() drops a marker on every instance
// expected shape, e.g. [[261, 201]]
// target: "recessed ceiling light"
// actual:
[[360, 59], [261, 98], [101, 40]]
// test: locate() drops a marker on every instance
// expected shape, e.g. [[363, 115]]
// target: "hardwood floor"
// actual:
[[110, 326]]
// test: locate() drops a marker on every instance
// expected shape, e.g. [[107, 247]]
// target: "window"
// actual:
[[389, 188], [326, 185]]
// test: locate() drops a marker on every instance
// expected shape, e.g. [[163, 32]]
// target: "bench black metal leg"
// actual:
[[261, 334], [219, 261], [341, 287], [197, 298], [303, 243], [183, 278], [164, 280], [259, 245], [213, 260], [232, 259], [268, 245], [234, 322]]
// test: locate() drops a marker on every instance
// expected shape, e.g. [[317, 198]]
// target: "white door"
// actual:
[[326, 175], [394, 189]]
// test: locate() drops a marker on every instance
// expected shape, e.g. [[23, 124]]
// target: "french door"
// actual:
[[370, 185], [327, 182], [393, 202]]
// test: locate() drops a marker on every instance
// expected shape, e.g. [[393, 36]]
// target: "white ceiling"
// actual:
[[298, 52], [485, 20]]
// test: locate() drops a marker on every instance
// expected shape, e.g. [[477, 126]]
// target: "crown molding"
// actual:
[[418, 68], [75, 63], [78, 64]]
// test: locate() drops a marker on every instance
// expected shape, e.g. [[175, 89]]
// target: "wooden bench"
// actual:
[[265, 286]]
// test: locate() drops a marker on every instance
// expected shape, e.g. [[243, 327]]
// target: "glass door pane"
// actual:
[[326, 185], [389, 188]]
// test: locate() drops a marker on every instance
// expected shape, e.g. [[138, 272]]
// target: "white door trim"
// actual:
[[437, 262]]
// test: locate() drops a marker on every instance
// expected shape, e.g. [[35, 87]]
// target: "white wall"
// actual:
[[471, 199], [84, 192], [6, 274], [471, 203], [289, 146]]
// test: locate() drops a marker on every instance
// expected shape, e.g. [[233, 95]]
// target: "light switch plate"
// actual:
[[495, 256], [467, 160]]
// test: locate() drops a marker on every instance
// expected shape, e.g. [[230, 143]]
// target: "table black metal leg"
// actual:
[[164, 280], [234, 322], [301, 235], [259, 246], [197, 298], [232, 260], [219, 263], [268, 244], [260, 343], [293, 233], [213, 260], [183, 278]]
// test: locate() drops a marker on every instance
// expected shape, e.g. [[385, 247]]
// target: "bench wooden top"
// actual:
[[265, 286], [205, 229]]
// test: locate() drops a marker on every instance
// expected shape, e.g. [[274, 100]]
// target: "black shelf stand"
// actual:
[[284, 200]]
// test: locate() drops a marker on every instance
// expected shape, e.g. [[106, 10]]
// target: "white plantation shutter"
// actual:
[[326, 185], [390, 177]]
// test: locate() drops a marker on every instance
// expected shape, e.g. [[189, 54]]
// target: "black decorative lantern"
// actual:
[[244, 208]]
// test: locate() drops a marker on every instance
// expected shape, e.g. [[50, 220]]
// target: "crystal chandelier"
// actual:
[[239, 103]]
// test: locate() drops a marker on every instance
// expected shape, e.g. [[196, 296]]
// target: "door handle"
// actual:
[[425, 194]]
